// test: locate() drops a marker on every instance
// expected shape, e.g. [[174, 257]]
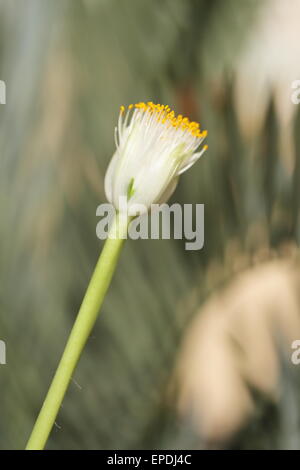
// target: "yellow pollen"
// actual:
[[167, 117]]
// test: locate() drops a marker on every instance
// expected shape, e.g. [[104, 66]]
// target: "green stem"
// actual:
[[83, 325]]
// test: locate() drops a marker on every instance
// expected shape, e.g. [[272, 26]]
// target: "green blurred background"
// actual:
[[192, 349]]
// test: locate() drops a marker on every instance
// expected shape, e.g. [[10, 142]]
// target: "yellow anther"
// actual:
[[166, 116]]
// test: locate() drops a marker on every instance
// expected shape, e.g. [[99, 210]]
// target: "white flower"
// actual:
[[153, 148]]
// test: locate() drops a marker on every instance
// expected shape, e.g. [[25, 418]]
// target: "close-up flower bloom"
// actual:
[[154, 147]]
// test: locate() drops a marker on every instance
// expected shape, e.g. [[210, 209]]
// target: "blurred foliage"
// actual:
[[68, 66]]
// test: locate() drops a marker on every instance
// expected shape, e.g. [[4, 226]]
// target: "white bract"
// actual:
[[154, 147]]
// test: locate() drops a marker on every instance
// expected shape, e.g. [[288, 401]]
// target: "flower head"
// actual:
[[153, 148]]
